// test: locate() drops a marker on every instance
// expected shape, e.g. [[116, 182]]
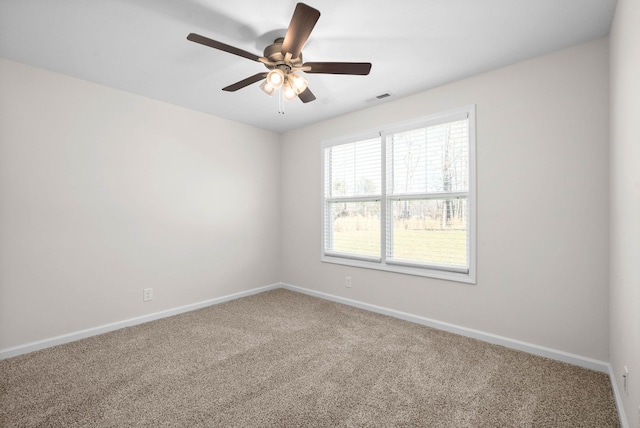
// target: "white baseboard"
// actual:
[[83, 334], [578, 360], [616, 394]]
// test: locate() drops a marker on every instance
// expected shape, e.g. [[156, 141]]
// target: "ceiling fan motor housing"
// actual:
[[273, 53]]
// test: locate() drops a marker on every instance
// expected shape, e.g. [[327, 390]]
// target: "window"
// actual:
[[402, 199]]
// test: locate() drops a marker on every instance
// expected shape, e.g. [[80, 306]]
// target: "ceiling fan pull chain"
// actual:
[[280, 101]]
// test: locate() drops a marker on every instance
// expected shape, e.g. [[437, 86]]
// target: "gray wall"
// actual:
[[625, 203], [104, 193], [542, 180]]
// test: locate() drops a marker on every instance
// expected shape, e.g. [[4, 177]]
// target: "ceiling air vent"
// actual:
[[380, 97]]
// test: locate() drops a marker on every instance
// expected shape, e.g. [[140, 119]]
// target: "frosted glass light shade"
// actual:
[[288, 92], [267, 88], [276, 78], [298, 83]]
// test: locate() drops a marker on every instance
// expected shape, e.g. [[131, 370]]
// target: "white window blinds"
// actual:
[[352, 190], [427, 192]]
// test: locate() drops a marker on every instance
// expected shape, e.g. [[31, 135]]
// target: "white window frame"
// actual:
[[380, 263]]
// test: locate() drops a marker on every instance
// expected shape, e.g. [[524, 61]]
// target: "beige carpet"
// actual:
[[284, 359]]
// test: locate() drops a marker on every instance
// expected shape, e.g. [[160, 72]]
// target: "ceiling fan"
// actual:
[[283, 59]]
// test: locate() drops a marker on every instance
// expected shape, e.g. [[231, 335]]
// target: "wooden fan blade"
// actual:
[[302, 22], [356, 68], [221, 46], [245, 82], [306, 96]]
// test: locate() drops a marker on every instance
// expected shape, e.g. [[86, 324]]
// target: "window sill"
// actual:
[[468, 278]]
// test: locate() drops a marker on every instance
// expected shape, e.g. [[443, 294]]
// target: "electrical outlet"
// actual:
[[347, 281], [147, 294], [625, 377]]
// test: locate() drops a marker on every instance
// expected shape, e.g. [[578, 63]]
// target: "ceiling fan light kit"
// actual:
[[283, 59]]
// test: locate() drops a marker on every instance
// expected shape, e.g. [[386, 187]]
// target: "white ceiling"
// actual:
[[140, 46]]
